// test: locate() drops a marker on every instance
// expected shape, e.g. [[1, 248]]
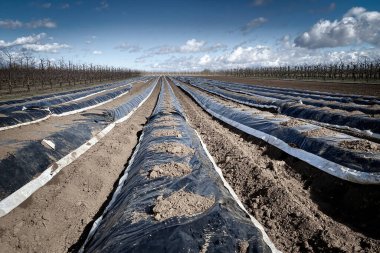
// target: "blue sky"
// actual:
[[192, 35]]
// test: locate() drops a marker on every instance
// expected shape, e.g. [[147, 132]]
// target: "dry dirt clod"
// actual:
[[360, 145], [181, 203], [320, 132], [138, 216], [243, 246], [292, 123], [173, 148], [171, 169], [167, 132]]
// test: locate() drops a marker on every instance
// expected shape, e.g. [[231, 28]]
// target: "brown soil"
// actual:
[[173, 148], [360, 145], [136, 217], [320, 132], [276, 116], [243, 246], [163, 123], [301, 208], [181, 203], [167, 132], [292, 123], [344, 88], [54, 217], [171, 169]]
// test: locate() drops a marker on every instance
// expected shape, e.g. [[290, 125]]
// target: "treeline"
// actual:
[[365, 71], [25, 73]]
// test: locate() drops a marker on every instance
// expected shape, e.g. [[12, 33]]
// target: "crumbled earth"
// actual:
[[139, 216], [319, 132], [171, 169], [173, 148], [360, 145], [292, 123], [181, 203], [167, 132]]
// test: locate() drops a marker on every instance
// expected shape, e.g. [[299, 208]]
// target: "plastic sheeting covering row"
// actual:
[[31, 159], [298, 110], [56, 100], [221, 228], [348, 106], [323, 152], [7, 103], [32, 113], [318, 95]]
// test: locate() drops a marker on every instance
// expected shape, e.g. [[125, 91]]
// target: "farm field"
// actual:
[[324, 86], [171, 156], [248, 126]]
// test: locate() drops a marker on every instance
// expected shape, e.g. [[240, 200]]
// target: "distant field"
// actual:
[[325, 86]]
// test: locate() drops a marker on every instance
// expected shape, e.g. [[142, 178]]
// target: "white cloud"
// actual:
[[33, 43], [23, 40], [204, 60], [46, 48], [130, 48], [97, 52], [44, 23], [40, 23], [253, 24], [192, 45], [10, 24], [357, 25], [282, 54]]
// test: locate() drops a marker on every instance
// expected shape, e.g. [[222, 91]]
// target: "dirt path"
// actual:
[[345, 88], [302, 209], [54, 217]]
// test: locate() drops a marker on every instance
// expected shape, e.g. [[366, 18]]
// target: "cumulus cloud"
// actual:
[[190, 46], [10, 24], [15, 24], [33, 43], [253, 24], [204, 60], [46, 48], [97, 52], [282, 54], [356, 26], [23, 40], [130, 48], [45, 23]]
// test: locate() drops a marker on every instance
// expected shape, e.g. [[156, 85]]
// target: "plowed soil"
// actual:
[[54, 217], [301, 208]]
